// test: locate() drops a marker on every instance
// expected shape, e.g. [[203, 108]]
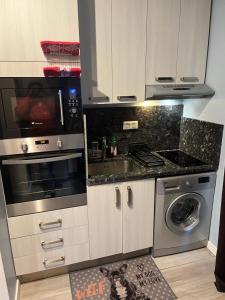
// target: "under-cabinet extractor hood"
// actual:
[[184, 91]]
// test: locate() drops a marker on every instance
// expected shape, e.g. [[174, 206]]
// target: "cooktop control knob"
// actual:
[[24, 148], [59, 144]]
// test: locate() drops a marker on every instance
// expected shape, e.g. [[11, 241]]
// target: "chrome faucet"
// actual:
[[104, 147]]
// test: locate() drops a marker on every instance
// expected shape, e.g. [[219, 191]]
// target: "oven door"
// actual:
[[44, 182]]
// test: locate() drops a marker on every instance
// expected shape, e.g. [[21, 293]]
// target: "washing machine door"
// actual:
[[183, 214]]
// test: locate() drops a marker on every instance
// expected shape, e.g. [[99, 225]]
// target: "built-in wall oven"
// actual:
[[41, 144]]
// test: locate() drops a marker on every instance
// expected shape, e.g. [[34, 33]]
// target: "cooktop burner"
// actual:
[[180, 158], [143, 154]]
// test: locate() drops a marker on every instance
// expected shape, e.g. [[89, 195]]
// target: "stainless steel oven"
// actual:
[[41, 144], [41, 182]]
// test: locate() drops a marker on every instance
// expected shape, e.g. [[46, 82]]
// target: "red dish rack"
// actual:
[[60, 48], [57, 72]]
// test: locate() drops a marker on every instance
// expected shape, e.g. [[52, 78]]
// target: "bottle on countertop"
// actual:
[[113, 147]]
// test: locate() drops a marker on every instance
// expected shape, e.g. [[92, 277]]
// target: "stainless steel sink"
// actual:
[[112, 167]]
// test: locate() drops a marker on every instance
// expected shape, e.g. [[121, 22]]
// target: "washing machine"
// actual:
[[183, 209]]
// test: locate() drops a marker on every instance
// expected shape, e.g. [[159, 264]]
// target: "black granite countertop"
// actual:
[[168, 169]]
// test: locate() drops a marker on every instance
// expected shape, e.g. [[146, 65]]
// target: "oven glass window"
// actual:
[[36, 181], [32, 109]]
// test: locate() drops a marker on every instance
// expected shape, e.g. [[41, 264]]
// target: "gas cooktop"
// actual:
[[180, 158]]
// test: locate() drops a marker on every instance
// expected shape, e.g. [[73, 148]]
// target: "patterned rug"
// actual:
[[133, 279]]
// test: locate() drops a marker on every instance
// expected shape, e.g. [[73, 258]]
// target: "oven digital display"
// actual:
[[42, 142]]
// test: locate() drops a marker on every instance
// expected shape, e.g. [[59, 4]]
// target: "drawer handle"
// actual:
[[189, 79], [124, 98], [48, 262], [164, 79], [130, 197], [100, 99], [118, 202], [51, 244], [48, 225]]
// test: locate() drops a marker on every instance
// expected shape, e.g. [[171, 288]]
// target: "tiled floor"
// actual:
[[190, 274]]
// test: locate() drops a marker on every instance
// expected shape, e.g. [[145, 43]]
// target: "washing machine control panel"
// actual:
[[204, 179]]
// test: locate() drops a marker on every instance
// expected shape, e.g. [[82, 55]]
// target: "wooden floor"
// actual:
[[190, 275]]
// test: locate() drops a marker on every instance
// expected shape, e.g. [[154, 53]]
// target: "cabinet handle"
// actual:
[[61, 107], [164, 79], [51, 244], [130, 196], [100, 99], [189, 79], [57, 223], [124, 98], [118, 202], [48, 262]]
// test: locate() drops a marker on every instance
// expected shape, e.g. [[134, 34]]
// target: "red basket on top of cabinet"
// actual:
[[60, 48], [55, 71]]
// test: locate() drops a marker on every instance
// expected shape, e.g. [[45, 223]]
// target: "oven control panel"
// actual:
[[45, 144], [73, 110]]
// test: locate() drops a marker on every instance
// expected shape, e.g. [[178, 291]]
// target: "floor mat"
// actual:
[[133, 279]]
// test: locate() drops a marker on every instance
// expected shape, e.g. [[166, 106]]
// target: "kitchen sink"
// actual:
[[112, 167]]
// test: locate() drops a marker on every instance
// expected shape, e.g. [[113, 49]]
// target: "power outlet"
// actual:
[[129, 125]]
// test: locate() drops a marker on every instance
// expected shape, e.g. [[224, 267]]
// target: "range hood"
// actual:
[[184, 91]]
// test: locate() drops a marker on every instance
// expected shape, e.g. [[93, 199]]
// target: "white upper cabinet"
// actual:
[[193, 40], [128, 49], [25, 23], [96, 50], [177, 41], [113, 48], [162, 41]]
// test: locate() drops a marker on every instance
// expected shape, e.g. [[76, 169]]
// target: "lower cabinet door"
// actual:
[[138, 214], [105, 220]]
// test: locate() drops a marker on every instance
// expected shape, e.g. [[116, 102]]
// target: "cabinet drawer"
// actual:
[[49, 260], [49, 241], [47, 221]]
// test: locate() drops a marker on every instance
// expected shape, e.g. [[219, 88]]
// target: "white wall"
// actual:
[[213, 110]]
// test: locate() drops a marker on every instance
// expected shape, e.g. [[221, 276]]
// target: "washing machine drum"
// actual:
[[183, 214]]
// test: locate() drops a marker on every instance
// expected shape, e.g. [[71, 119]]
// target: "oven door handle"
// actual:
[[61, 107], [40, 160]]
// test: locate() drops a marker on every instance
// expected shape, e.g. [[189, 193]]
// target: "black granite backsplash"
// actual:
[[159, 126], [201, 139]]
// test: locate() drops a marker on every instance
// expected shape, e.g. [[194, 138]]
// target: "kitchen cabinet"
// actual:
[[193, 41], [96, 50], [120, 217], [129, 49], [177, 41], [162, 40], [50, 239], [24, 24], [113, 47], [105, 220]]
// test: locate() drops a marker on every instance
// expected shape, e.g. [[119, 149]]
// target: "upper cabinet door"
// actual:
[[96, 50], [138, 214], [162, 41], [25, 23], [129, 49], [193, 40]]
